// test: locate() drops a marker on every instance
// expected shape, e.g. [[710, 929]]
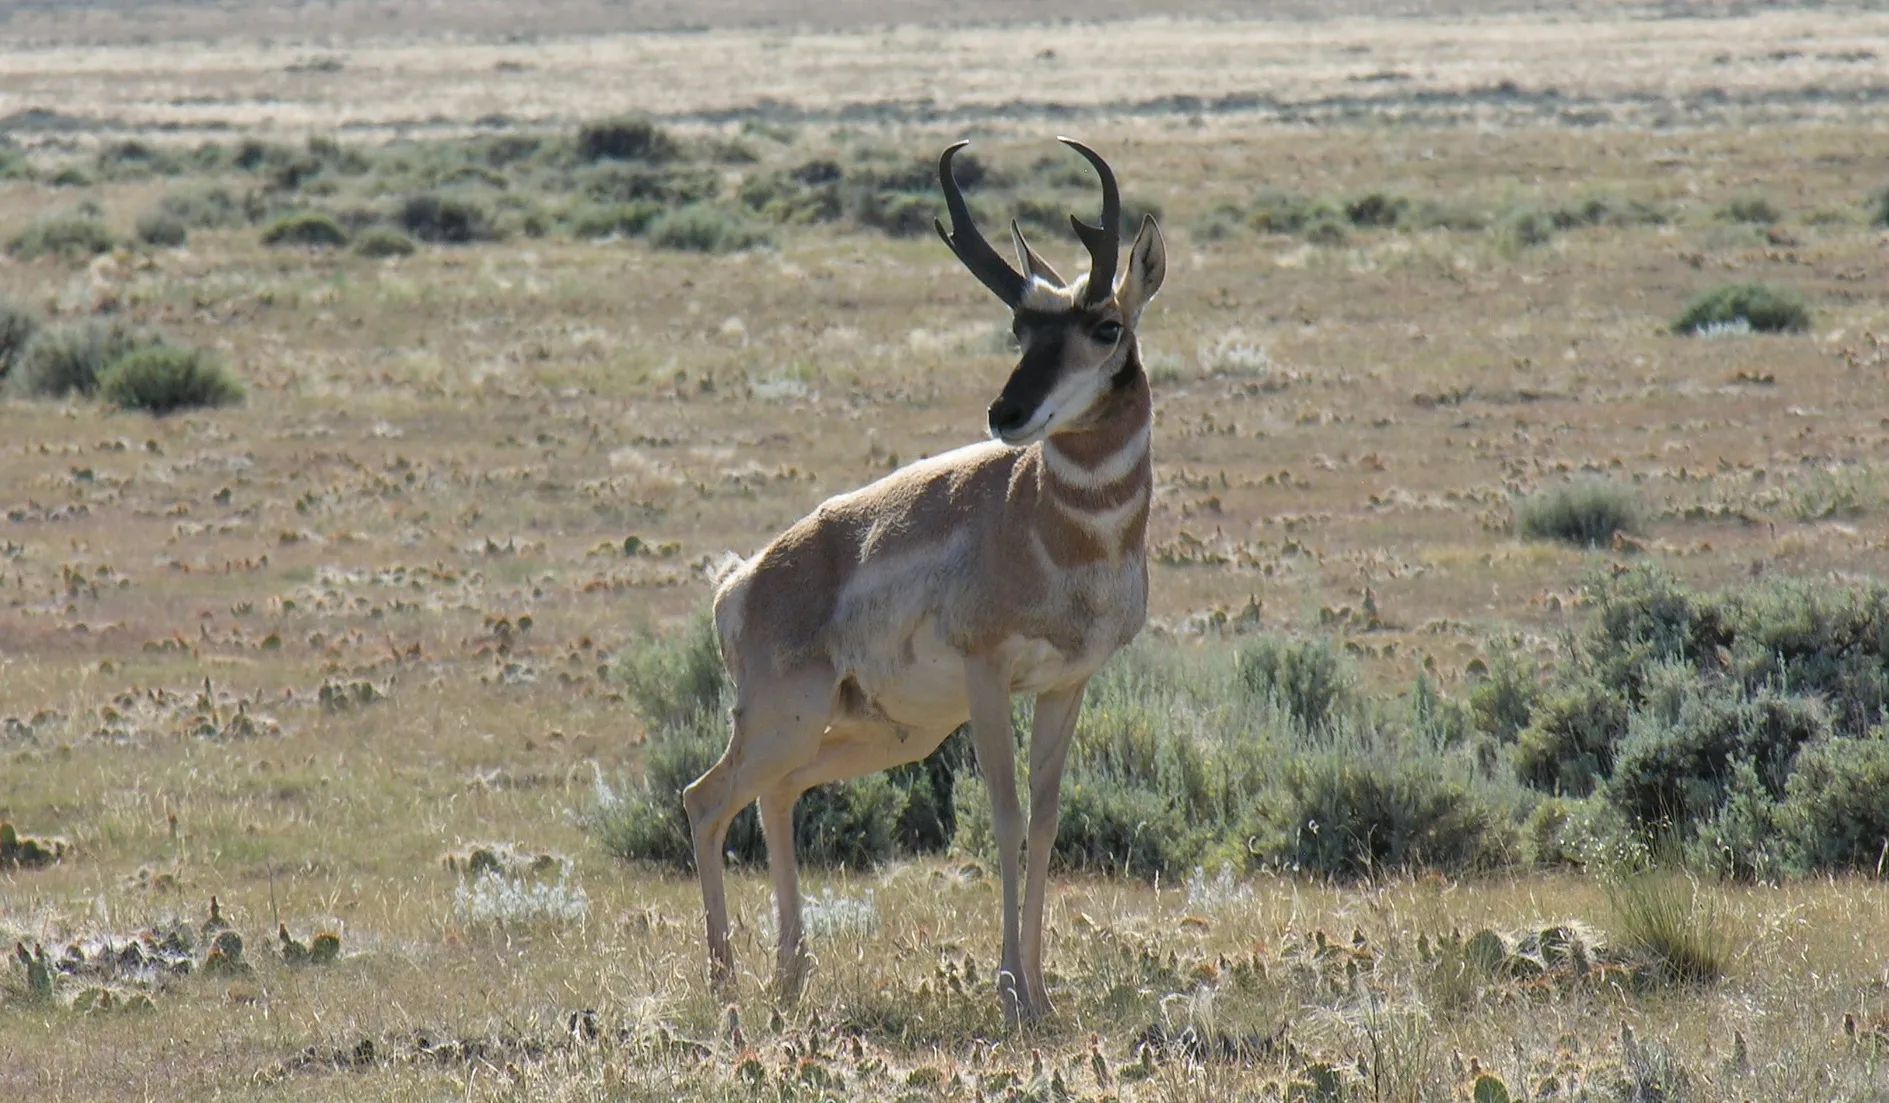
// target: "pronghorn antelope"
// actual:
[[871, 629]]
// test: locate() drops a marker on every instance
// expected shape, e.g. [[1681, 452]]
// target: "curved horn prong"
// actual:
[[1033, 265], [990, 268], [1103, 241]]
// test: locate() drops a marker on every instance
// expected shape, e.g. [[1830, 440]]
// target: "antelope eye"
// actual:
[[1108, 332]]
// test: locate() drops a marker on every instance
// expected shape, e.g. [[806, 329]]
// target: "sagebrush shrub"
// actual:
[[68, 359], [702, 228], [310, 228], [17, 327], [1502, 698], [383, 241], [1835, 813], [446, 219], [161, 230], [1588, 513], [1763, 308], [202, 207], [1307, 680], [1347, 815], [74, 235], [628, 138], [161, 379]]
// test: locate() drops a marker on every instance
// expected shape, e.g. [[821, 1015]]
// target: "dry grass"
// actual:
[[280, 653]]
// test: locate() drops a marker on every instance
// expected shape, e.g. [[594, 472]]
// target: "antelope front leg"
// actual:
[[995, 740], [1051, 732]]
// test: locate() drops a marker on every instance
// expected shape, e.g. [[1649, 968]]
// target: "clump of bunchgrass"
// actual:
[[1763, 308], [1671, 921], [161, 379], [1588, 512]]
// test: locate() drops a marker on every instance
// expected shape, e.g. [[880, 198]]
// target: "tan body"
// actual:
[[869, 631]]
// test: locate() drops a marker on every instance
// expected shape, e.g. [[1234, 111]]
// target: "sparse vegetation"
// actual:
[[1765, 309], [1343, 824]]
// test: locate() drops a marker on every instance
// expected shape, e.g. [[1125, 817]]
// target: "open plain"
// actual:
[[346, 656]]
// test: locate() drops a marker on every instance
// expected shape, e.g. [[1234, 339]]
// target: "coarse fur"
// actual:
[[866, 633]]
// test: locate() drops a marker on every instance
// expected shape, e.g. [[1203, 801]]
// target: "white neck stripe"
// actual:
[[1110, 471]]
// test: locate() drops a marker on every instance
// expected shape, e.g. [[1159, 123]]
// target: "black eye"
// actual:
[[1108, 332]]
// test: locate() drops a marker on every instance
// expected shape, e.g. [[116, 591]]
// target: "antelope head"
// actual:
[[1077, 338]]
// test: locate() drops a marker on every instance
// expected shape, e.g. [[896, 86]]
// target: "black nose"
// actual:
[[1007, 416]]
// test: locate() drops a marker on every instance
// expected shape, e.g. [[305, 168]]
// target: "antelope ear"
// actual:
[[1147, 267], [1033, 265]]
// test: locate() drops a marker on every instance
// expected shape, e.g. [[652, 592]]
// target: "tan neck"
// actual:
[[1097, 481]]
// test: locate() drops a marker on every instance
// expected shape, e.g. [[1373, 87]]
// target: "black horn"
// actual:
[[1104, 241], [990, 268]]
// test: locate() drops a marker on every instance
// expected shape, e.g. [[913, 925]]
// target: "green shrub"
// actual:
[[1754, 209], [1279, 212], [613, 182], [595, 220], [70, 176], [68, 359], [131, 158], [1376, 209], [1589, 513], [161, 230], [672, 680], [1835, 813], [17, 327], [75, 235], [1568, 745], [1525, 227], [807, 193], [1306, 680], [310, 228], [1765, 309], [702, 228], [204, 207], [1351, 815], [446, 219], [1605, 210], [1502, 697], [14, 164], [383, 241], [160, 379], [1879, 209], [628, 138]]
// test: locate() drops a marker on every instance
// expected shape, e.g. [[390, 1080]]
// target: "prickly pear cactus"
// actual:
[[1490, 1089]]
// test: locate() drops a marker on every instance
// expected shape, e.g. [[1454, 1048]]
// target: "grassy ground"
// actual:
[[295, 653]]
